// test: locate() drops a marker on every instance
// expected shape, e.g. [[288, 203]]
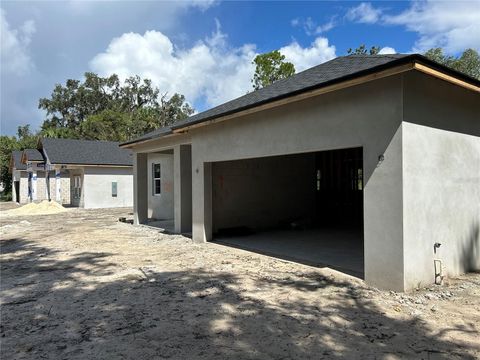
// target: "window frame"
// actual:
[[156, 179], [114, 189]]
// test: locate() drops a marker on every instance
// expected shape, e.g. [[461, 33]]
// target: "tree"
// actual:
[[362, 50], [120, 124], [271, 67], [106, 109], [467, 63]]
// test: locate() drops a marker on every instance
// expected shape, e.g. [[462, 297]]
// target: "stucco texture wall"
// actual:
[[441, 170], [97, 187], [367, 115], [161, 206], [421, 161]]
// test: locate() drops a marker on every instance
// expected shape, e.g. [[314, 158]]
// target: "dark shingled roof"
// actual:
[[17, 160], [85, 152], [151, 135], [33, 155], [333, 71]]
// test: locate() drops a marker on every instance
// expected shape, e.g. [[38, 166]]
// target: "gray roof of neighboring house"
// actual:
[[17, 160], [333, 71], [33, 155], [85, 152]]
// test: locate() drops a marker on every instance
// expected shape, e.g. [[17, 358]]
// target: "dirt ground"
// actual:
[[81, 285]]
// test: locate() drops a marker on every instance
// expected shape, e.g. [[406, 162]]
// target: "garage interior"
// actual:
[[303, 207]]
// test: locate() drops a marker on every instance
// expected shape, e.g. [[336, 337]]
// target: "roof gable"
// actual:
[[32, 155], [16, 161]]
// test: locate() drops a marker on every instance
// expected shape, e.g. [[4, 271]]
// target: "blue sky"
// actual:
[[203, 49]]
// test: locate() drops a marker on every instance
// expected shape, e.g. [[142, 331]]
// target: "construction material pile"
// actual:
[[43, 208]]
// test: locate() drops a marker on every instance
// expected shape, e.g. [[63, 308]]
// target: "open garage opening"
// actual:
[[304, 207]]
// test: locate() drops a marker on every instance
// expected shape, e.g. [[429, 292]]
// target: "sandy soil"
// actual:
[[80, 285]]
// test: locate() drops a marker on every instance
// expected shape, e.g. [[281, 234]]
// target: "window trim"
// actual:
[[155, 179], [114, 189]]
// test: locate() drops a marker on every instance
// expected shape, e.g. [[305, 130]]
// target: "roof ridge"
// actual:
[[70, 139]]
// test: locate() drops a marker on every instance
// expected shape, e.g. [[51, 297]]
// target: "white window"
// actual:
[[156, 179]]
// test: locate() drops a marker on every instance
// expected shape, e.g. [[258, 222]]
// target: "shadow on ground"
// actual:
[[84, 307]]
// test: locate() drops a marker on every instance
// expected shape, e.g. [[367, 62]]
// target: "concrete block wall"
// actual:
[[64, 186], [41, 186], [22, 177], [24, 189], [65, 189]]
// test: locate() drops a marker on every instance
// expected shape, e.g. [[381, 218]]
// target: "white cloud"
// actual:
[[211, 70], [89, 6], [454, 26], [15, 58], [311, 27], [304, 58], [387, 50], [201, 4], [364, 13]]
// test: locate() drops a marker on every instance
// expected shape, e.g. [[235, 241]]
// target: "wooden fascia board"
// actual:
[[443, 76]]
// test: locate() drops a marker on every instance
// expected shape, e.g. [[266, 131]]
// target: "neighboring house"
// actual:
[[38, 177], [19, 177], [81, 173], [376, 158]]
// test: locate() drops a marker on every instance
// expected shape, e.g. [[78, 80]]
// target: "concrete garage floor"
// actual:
[[338, 249]]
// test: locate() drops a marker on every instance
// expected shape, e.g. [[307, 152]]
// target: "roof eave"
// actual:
[[407, 63], [92, 165], [411, 62], [132, 143]]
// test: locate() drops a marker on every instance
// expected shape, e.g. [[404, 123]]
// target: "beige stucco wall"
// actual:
[[420, 147], [367, 116], [441, 179], [161, 206], [97, 187]]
